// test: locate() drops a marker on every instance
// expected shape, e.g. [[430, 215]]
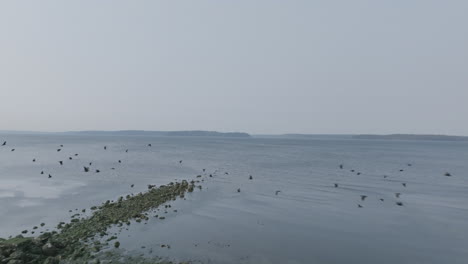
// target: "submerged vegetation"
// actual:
[[79, 240]]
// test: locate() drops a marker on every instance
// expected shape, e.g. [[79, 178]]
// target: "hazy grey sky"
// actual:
[[255, 66]]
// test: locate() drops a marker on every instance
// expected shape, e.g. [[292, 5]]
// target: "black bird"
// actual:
[[352, 170], [12, 149], [50, 176], [404, 184], [397, 195], [97, 171], [360, 206], [399, 203], [120, 161], [70, 158], [409, 164], [358, 173], [58, 150], [385, 176], [61, 162], [203, 170], [401, 170], [126, 150], [105, 147], [90, 163], [34, 160], [42, 172], [4, 143], [226, 173], [276, 193], [211, 175], [381, 199], [447, 174], [76, 154], [132, 185], [250, 177], [149, 145], [180, 161], [61, 146], [341, 166], [86, 169], [363, 197], [336, 185], [238, 190], [112, 168]]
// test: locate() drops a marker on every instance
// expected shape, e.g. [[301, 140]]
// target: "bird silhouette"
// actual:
[[34, 160], [76, 154], [4, 143], [149, 145], [50, 176], [397, 195], [399, 203], [250, 177], [447, 174], [238, 190], [42, 172], [180, 161], [404, 184], [58, 150], [97, 171], [90, 163], [360, 206], [86, 169], [336, 185], [401, 170], [61, 162], [132, 185], [105, 147], [12, 149], [70, 158], [120, 161], [276, 193], [385, 176], [341, 166], [363, 197], [126, 150], [381, 199]]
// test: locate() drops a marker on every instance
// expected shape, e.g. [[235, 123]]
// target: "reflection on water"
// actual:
[[308, 221]]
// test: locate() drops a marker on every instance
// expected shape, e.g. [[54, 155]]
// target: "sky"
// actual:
[[262, 67]]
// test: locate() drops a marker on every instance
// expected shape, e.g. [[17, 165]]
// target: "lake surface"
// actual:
[[308, 221]]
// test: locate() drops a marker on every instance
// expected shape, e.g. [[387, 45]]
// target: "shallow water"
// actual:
[[309, 221]]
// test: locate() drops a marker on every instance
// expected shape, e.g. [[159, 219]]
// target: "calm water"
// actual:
[[309, 221]]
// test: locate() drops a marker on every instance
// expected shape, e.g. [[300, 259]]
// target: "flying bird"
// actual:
[[447, 174], [404, 184], [360, 206], [50, 176], [399, 203], [86, 169], [97, 171], [12, 149], [58, 150], [363, 197], [42, 172], [336, 185], [4, 143], [61, 162], [250, 177]]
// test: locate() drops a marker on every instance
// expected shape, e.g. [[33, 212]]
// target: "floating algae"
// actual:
[[69, 246]]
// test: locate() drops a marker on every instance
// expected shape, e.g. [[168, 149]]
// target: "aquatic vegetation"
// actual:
[[71, 242]]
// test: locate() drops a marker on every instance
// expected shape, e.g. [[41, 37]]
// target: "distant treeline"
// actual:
[[194, 133], [412, 137]]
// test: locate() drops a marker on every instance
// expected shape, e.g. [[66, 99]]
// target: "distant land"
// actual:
[[412, 137], [192, 133]]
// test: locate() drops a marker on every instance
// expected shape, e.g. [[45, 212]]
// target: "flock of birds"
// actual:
[[86, 168], [397, 194]]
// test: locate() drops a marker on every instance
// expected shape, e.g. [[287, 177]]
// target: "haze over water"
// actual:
[[309, 221]]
